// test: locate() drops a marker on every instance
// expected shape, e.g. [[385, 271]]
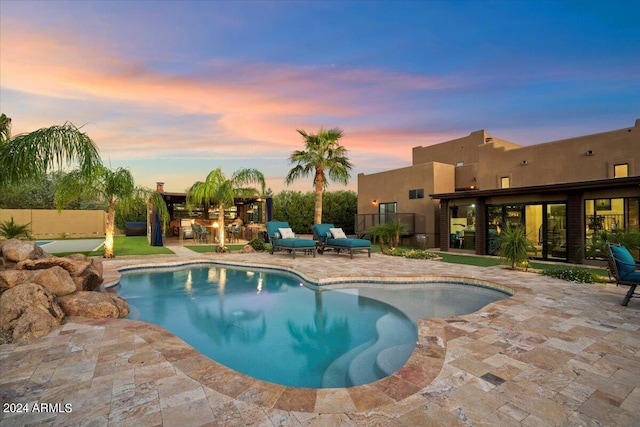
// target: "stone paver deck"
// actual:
[[553, 354]]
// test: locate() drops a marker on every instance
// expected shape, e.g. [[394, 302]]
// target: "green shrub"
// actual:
[[572, 274], [411, 253], [11, 230], [513, 245], [259, 245]]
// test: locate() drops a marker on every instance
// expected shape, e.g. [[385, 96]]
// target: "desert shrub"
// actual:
[[513, 245], [573, 274], [259, 245]]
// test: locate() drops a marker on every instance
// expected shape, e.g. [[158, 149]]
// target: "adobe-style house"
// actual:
[[457, 195]]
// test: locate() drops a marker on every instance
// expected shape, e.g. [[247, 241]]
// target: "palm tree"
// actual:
[[219, 190], [30, 155], [325, 158], [113, 186]]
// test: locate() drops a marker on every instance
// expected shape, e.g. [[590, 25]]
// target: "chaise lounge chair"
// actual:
[[331, 237], [282, 238], [625, 269]]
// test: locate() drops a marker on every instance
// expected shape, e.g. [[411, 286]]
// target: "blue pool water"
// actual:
[[271, 327]]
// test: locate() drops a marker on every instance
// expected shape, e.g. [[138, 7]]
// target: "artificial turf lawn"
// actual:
[[130, 245]]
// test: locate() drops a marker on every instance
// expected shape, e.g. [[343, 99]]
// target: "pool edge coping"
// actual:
[[422, 367]]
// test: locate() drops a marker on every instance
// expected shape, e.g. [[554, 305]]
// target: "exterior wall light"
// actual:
[[374, 202]]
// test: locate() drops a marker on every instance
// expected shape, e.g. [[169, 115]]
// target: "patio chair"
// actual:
[[199, 232], [624, 269], [334, 238], [186, 231], [236, 232], [283, 239]]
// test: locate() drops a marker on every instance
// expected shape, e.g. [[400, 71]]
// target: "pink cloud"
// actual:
[[250, 109]]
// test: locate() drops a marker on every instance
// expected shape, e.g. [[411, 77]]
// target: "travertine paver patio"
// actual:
[[553, 354]]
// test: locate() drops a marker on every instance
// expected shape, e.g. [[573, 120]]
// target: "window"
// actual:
[[505, 182], [387, 212], [416, 194], [621, 170], [605, 216]]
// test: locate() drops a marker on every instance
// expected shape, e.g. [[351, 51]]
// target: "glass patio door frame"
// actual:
[[515, 214]]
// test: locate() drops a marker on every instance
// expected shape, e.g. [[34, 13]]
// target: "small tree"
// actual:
[[513, 245], [377, 232], [112, 186], [396, 228]]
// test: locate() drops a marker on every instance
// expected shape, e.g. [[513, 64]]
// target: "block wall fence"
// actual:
[[51, 224]]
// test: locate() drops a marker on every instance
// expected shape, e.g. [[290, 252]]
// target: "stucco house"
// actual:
[[457, 195]]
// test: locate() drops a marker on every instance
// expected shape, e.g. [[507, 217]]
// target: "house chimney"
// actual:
[[160, 187]]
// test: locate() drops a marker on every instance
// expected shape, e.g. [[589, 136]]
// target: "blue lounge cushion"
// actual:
[[633, 277], [624, 261], [322, 231], [295, 243], [349, 243]]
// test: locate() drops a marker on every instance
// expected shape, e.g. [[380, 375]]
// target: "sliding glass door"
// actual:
[[544, 225]]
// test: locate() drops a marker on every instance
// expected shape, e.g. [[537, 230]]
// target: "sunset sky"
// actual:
[[174, 89]]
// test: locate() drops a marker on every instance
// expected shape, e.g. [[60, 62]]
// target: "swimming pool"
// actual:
[[270, 326]]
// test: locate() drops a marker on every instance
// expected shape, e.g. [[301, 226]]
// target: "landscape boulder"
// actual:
[[56, 279], [91, 278], [14, 250], [11, 278], [94, 304], [37, 290], [75, 268], [28, 311]]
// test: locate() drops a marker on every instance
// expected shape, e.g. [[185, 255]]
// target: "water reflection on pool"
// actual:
[[268, 325]]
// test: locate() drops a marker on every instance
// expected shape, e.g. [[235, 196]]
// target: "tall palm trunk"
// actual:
[[317, 212], [221, 229], [110, 229]]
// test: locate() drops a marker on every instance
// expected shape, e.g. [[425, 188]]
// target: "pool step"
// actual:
[[368, 366], [387, 358], [336, 373]]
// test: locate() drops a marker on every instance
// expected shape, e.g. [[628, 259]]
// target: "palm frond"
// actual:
[[29, 155]]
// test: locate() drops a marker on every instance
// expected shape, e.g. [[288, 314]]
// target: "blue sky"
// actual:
[[174, 89]]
